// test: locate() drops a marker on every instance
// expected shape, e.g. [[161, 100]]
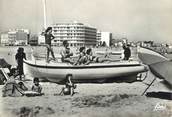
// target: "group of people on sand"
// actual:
[[14, 88], [14, 85], [17, 88]]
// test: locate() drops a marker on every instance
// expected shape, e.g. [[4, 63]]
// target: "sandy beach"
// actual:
[[90, 100]]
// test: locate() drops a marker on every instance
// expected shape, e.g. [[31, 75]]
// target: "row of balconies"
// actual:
[[69, 24], [68, 27], [68, 31], [73, 28], [77, 31], [68, 40], [84, 36], [73, 35]]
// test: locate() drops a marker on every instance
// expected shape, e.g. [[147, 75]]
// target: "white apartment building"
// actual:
[[15, 37], [77, 34], [12, 37], [104, 37], [41, 39], [4, 39]]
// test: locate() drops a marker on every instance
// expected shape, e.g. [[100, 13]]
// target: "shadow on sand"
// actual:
[[161, 95]]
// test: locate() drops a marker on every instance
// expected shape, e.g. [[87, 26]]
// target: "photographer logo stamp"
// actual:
[[160, 107]]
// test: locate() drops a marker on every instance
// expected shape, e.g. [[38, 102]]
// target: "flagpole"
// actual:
[[45, 17]]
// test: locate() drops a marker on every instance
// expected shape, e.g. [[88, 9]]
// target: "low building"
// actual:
[[18, 37], [104, 38], [41, 40], [4, 38], [22, 36], [33, 40]]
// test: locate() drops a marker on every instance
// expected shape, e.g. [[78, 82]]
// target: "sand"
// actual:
[[90, 100]]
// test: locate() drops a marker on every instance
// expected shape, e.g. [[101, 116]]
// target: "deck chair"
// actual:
[[3, 76]]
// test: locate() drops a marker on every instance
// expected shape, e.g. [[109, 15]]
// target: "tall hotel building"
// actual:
[[77, 34]]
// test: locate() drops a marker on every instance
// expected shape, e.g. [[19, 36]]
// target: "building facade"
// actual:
[[22, 36], [77, 34], [33, 40], [104, 38], [4, 39], [15, 37], [12, 37]]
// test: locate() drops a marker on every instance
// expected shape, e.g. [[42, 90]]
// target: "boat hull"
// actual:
[[159, 65], [56, 72], [149, 56]]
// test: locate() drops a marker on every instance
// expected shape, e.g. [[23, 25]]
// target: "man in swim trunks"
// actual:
[[66, 53]]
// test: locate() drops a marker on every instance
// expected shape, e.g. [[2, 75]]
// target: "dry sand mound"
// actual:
[[99, 100], [34, 111]]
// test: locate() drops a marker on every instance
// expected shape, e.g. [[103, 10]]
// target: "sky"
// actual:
[[132, 19]]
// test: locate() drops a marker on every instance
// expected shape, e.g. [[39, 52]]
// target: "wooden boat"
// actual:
[[159, 65], [97, 72]]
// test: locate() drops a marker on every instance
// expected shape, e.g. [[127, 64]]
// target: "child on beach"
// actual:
[[69, 86], [36, 87]]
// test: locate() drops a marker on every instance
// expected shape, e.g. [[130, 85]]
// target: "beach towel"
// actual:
[[32, 93]]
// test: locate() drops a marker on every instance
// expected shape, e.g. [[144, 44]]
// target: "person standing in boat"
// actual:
[[66, 53], [19, 59], [48, 37]]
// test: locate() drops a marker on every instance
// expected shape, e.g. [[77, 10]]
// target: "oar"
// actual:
[[149, 86]]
